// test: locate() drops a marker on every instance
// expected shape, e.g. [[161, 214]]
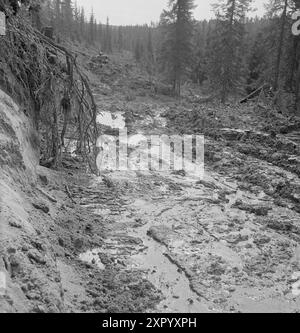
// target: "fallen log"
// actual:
[[253, 94]]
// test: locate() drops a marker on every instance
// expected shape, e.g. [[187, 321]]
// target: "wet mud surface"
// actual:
[[150, 241], [225, 243]]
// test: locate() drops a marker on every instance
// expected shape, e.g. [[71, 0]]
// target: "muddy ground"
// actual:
[[152, 241]]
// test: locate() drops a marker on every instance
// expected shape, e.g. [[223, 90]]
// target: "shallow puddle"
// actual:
[[165, 276]]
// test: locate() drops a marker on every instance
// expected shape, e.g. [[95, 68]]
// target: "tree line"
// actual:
[[232, 53]]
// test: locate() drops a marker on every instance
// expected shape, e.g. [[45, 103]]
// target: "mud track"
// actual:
[[157, 241], [226, 243]]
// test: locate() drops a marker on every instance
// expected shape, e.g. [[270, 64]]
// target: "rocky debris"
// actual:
[[44, 180], [78, 243], [282, 225], [281, 202], [232, 134], [36, 256], [236, 238], [160, 234], [258, 210], [98, 61], [261, 240], [263, 139], [181, 173], [15, 266], [39, 309], [89, 228], [41, 206], [108, 182], [216, 268], [288, 190], [15, 224], [291, 127], [61, 242], [39, 245], [208, 184], [70, 162], [11, 156]]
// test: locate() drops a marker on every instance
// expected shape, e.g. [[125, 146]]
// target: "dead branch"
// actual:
[[48, 196], [253, 94], [69, 194]]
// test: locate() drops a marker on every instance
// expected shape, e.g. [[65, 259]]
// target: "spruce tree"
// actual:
[[120, 39], [139, 51], [177, 26], [257, 63], [67, 17], [82, 23], [108, 38], [296, 63], [225, 65], [277, 6], [76, 21], [58, 16], [150, 50], [199, 58], [92, 28]]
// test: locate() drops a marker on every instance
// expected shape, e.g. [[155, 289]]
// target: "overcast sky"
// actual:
[[131, 12]]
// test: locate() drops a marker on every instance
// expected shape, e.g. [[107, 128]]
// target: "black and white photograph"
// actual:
[[149, 159]]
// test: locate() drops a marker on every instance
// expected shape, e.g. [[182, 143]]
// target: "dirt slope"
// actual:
[[43, 232], [21, 228]]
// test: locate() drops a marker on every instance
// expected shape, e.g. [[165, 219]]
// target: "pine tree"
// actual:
[[108, 38], [77, 21], [120, 42], [176, 51], [150, 50], [82, 23], [67, 17], [283, 48], [100, 33], [257, 63], [296, 63], [58, 16], [226, 49], [139, 51], [278, 5], [48, 13], [92, 26], [199, 57]]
